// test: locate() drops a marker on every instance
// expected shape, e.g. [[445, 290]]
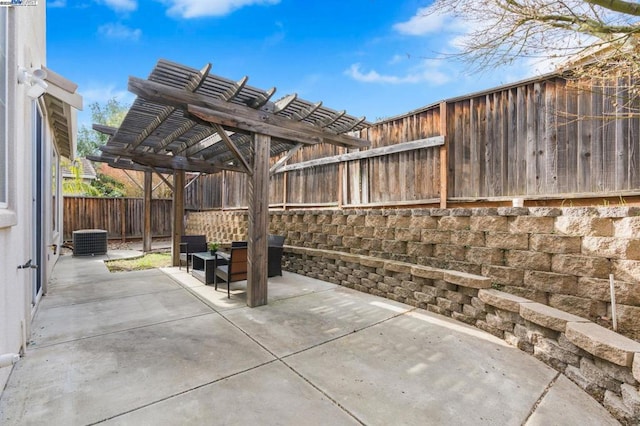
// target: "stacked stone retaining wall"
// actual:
[[553, 265], [561, 257]]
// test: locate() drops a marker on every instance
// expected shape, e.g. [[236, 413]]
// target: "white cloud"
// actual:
[[426, 72], [119, 31], [121, 5], [424, 22], [200, 8]]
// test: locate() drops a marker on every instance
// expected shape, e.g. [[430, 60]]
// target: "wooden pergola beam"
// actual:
[[238, 116], [195, 82], [171, 162], [233, 148]]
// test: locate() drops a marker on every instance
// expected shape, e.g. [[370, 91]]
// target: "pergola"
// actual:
[[188, 120]]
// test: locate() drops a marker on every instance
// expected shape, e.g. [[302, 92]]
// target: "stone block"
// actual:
[[550, 282], [522, 259], [375, 220], [371, 262], [631, 398], [419, 249], [628, 227], [568, 346], [531, 225], [578, 378], [467, 280], [549, 317], [457, 297], [448, 252], [408, 234], [617, 372], [485, 256], [613, 403], [551, 353], [496, 322], [394, 266], [602, 342], [448, 304], [597, 376], [432, 236], [467, 238], [503, 274], [629, 321], [618, 211], [410, 285], [513, 211], [394, 246], [482, 325], [615, 248], [627, 293], [626, 270], [551, 243], [545, 211], [402, 292], [423, 222], [436, 212], [463, 318], [424, 297], [384, 233], [584, 226], [437, 309], [507, 240], [471, 311], [636, 366], [586, 308], [453, 223], [489, 223], [427, 272], [399, 220], [468, 267], [355, 219], [586, 266], [502, 300]]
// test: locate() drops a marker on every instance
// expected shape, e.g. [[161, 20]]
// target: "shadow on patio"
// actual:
[[159, 347]]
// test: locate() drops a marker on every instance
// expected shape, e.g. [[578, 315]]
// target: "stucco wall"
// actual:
[[561, 257]]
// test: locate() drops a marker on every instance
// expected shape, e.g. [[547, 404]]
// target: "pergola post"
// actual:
[[146, 231], [258, 222], [177, 215], [444, 157]]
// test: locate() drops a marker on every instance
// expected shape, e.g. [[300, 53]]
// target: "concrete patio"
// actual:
[[160, 348]]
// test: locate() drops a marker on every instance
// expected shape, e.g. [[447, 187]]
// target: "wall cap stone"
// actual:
[[427, 272], [547, 316], [603, 342], [467, 280], [500, 299]]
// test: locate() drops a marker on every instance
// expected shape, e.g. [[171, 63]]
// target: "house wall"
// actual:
[[26, 35]]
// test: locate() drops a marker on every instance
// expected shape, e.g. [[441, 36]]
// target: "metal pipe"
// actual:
[[8, 359]]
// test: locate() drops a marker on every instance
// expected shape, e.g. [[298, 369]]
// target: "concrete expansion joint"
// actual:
[[542, 396]]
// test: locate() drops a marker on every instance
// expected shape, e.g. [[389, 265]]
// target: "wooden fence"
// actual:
[[120, 217], [539, 139]]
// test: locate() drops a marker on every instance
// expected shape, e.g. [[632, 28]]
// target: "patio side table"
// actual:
[[204, 264]]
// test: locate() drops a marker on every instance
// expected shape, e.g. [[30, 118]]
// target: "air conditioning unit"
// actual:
[[89, 242]]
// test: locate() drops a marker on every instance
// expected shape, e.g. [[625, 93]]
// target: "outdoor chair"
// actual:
[[191, 244], [235, 270], [276, 249]]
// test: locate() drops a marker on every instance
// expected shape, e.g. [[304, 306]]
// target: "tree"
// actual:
[[502, 30], [110, 114]]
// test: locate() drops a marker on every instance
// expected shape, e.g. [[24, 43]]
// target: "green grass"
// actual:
[[148, 261]]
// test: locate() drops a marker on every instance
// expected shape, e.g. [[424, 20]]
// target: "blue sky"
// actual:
[[377, 58]]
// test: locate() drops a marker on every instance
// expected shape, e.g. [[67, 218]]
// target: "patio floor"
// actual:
[[160, 348]]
